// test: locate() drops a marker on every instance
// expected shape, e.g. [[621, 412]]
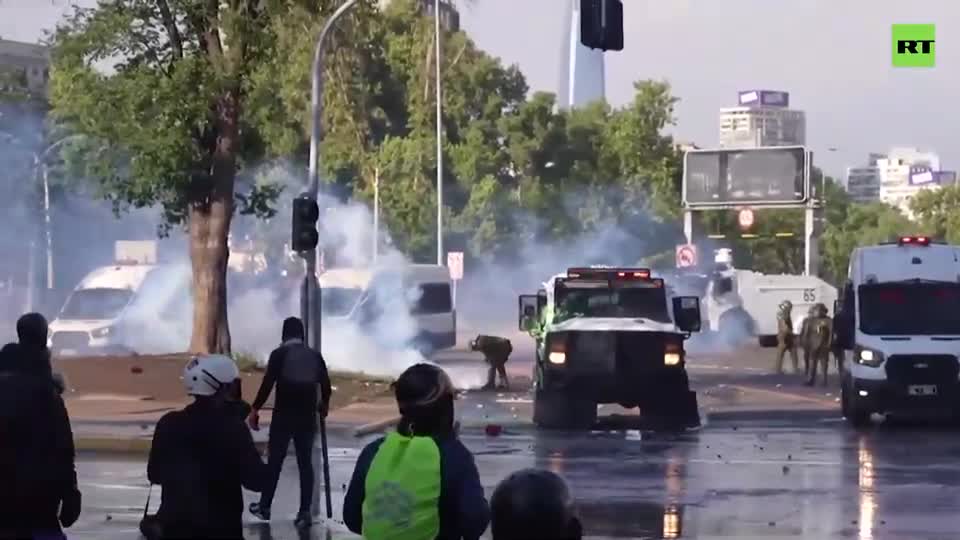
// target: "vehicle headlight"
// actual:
[[557, 357], [672, 354], [867, 357], [557, 349], [101, 332]]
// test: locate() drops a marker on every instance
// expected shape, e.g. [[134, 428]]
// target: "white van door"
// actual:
[[435, 316]]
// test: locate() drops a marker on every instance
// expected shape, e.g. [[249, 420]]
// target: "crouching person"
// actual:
[[496, 351], [203, 455], [419, 482]]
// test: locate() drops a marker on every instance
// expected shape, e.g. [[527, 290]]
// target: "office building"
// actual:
[[449, 15], [582, 70], [906, 171], [762, 118], [24, 66], [863, 184]]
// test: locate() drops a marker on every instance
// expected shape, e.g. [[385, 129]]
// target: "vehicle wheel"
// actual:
[[555, 410], [736, 326], [856, 416], [767, 341]]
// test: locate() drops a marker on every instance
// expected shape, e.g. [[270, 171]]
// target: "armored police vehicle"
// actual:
[[610, 335], [898, 315]]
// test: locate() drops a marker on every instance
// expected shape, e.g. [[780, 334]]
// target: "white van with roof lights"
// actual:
[[364, 295], [898, 315]]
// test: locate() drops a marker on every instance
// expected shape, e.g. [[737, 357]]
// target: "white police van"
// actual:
[[899, 315], [364, 295]]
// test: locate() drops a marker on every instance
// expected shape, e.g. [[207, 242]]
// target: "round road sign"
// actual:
[[745, 218], [686, 256]]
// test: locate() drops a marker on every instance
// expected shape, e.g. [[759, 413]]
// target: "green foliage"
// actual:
[[863, 224], [246, 362], [936, 210]]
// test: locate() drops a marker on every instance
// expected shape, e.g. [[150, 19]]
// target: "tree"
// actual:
[[936, 211], [864, 224], [170, 122]]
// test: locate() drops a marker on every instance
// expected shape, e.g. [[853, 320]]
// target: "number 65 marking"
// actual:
[[809, 295]]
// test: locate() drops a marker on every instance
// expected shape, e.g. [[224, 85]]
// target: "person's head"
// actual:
[[32, 330], [425, 397], [292, 329], [821, 309], [786, 306], [534, 504], [211, 376]]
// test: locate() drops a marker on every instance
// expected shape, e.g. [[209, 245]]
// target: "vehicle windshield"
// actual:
[[900, 309], [339, 301], [624, 300], [96, 304]]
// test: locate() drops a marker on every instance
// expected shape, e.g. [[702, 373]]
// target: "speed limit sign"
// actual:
[[745, 218]]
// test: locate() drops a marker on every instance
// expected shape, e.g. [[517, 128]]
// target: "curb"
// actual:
[[376, 427]]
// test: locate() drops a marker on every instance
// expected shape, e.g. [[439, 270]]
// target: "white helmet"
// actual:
[[207, 374]]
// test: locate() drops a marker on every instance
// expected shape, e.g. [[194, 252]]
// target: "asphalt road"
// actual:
[[808, 478]]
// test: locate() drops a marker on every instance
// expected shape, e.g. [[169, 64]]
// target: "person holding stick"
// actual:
[[296, 370]]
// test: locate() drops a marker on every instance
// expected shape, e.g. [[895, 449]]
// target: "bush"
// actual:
[[246, 362]]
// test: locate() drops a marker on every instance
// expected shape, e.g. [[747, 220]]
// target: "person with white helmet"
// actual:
[[202, 457]]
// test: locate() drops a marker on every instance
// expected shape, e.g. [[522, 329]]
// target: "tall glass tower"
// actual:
[[582, 75]]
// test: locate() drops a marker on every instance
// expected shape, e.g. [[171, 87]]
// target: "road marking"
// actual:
[[515, 400], [766, 462], [113, 486]]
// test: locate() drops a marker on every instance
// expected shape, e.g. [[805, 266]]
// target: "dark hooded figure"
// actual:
[[534, 504], [38, 479], [303, 391]]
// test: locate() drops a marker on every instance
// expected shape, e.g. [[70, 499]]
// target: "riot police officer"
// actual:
[[804, 330], [786, 341], [819, 341], [496, 351]]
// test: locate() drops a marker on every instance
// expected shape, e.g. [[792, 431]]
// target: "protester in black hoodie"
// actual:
[[38, 480]]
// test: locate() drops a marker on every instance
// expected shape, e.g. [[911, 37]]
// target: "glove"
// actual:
[[322, 411], [70, 508]]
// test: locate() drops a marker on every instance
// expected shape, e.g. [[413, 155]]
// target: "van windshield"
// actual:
[[911, 308], [339, 301], [599, 299], [96, 304]]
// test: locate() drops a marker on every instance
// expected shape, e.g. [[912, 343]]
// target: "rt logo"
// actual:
[[913, 45]]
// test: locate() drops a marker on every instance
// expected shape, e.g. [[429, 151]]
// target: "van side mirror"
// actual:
[[686, 313], [529, 312]]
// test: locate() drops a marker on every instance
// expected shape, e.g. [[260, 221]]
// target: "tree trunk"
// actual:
[[209, 220]]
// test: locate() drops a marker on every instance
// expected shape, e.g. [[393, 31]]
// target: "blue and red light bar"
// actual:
[[608, 273]]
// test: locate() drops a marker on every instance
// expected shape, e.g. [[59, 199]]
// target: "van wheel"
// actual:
[[856, 416], [556, 410]]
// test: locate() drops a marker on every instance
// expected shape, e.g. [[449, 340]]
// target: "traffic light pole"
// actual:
[[311, 287]]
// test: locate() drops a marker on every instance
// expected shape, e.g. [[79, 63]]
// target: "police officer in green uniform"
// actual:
[[819, 339], [419, 482], [804, 329], [496, 351], [786, 341]]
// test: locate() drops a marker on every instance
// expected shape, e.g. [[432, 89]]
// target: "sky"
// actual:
[[834, 57]]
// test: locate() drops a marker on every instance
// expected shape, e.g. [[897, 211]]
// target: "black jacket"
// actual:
[[37, 469], [202, 456], [296, 370]]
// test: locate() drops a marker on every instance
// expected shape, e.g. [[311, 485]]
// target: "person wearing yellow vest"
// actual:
[[419, 482]]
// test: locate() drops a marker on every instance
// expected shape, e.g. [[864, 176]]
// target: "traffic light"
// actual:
[[601, 24], [305, 215]]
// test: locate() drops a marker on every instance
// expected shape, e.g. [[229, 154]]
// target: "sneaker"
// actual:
[[260, 513], [304, 520]]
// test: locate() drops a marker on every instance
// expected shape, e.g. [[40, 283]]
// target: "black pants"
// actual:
[[282, 430]]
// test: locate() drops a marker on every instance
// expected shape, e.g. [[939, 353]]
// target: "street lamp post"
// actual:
[[436, 22], [310, 293]]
